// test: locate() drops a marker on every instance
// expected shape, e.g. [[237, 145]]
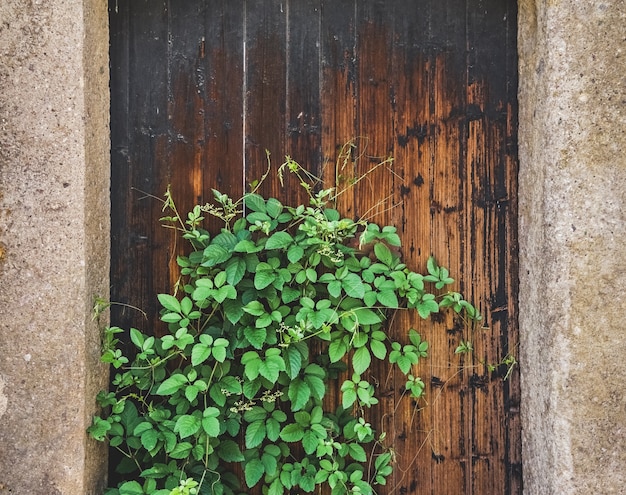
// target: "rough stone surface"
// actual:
[[54, 242], [572, 245]]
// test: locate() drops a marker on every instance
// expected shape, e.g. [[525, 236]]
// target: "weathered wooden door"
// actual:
[[201, 88]]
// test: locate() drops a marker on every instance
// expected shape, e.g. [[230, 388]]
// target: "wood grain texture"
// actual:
[[202, 88]]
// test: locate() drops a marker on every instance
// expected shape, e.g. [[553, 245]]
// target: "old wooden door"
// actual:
[[201, 88]]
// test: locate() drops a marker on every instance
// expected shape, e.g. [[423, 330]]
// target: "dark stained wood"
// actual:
[[202, 88]]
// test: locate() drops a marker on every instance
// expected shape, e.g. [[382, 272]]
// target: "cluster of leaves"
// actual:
[[268, 312]]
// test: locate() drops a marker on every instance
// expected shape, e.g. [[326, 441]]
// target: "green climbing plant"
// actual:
[[268, 311]]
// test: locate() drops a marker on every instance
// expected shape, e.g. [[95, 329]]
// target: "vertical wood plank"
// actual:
[[224, 106], [338, 94], [187, 92], [303, 108], [134, 216], [265, 90], [412, 72]]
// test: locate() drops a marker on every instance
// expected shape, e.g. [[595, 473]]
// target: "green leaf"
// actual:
[[233, 310], [404, 363], [383, 253], [263, 278], [292, 432], [255, 434], [256, 336], [388, 298], [172, 384], [211, 426], [337, 350], [215, 254], [169, 302], [273, 207], [229, 451], [279, 240], [130, 488], [199, 354], [378, 348], [255, 202], [254, 308], [317, 386], [366, 316], [181, 451], [235, 270], [136, 337], [426, 307], [299, 394], [293, 361], [187, 425], [348, 398], [361, 360], [254, 471], [357, 452], [310, 441], [353, 285], [295, 253], [272, 427], [271, 368], [432, 267]]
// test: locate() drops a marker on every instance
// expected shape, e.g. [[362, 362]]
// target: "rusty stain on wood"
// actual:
[[200, 89]]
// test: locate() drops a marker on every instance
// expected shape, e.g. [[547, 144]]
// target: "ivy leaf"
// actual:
[[361, 360], [272, 428], [427, 306], [130, 488], [353, 285], [317, 386], [292, 432], [169, 302], [310, 441], [172, 384], [255, 202], [199, 354], [337, 350], [263, 278], [211, 426], [181, 451], [293, 361], [271, 367], [276, 488], [404, 363], [299, 394], [229, 451], [357, 452], [295, 253], [256, 336], [136, 337], [383, 253], [273, 207], [279, 240], [378, 348], [254, 308], [254, 471], [255, 434], [366, 316], [387, 298], [215, 254], [233, 310], [187, 425], [348, 398]]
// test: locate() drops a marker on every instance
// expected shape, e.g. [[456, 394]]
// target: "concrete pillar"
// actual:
[[54, 242], [572, 231]]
